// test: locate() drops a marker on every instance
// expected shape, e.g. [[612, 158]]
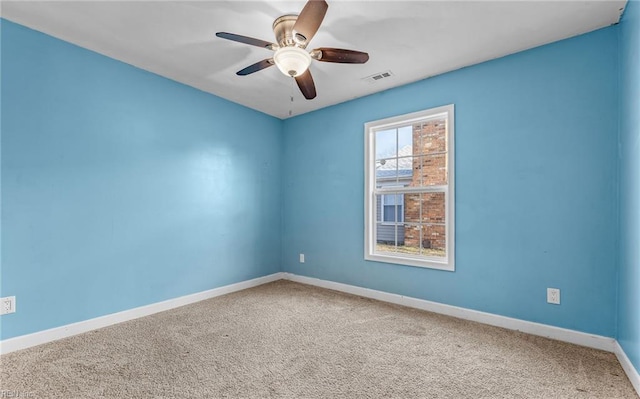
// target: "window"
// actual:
[[409, 189]]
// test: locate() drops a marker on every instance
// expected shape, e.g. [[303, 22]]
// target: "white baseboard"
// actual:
[[561, 334], [628, 367], [53, 334]]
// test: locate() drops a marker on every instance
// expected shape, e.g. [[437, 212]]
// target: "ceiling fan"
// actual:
[[293, 33]]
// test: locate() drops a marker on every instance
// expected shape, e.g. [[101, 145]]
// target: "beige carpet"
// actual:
[[291, 340]]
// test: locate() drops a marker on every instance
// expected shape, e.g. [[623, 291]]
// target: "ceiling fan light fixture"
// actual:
[[292, 61], [293, 32]]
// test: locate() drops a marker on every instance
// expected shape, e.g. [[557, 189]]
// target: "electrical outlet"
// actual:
[[301, 258], [7, 305], [553, 295]]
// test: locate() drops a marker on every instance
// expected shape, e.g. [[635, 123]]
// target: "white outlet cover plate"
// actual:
[[553, 296], [7, 305]]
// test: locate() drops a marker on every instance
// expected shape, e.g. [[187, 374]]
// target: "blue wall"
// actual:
[[121, 188], [629, 274], [536, 186]]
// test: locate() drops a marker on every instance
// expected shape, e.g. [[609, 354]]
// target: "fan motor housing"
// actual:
[[283, 29]]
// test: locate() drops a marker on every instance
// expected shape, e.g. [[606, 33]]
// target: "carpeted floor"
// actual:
[[285, 339]]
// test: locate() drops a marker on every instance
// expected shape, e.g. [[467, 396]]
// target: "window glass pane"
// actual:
[[389, 237], [386, 174], [430, 170], [432, 208], [412, 208], [430, 136], [392, 207], [433, 241], [386, 144], [405, 140], [412, 236]]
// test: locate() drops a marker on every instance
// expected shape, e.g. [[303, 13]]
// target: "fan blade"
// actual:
[[306, 86], [258, 66], [326, 54], [247, 40], [309, 20]]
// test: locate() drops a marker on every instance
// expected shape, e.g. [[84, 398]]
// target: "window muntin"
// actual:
[[409, 195]]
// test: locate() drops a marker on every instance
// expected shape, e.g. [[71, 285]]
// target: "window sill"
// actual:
[[411, 261]]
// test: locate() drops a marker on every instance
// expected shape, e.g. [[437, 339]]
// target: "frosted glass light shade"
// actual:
[[292, 61]]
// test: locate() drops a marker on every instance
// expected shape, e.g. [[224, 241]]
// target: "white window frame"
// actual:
[[370, 129]]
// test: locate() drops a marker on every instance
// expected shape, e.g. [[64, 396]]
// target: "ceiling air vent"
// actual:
[[378, 76]]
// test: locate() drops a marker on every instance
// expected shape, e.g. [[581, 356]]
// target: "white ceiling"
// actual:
[[414, 40]]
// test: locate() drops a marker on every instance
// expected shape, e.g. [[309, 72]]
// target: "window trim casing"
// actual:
[[370, 221]]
